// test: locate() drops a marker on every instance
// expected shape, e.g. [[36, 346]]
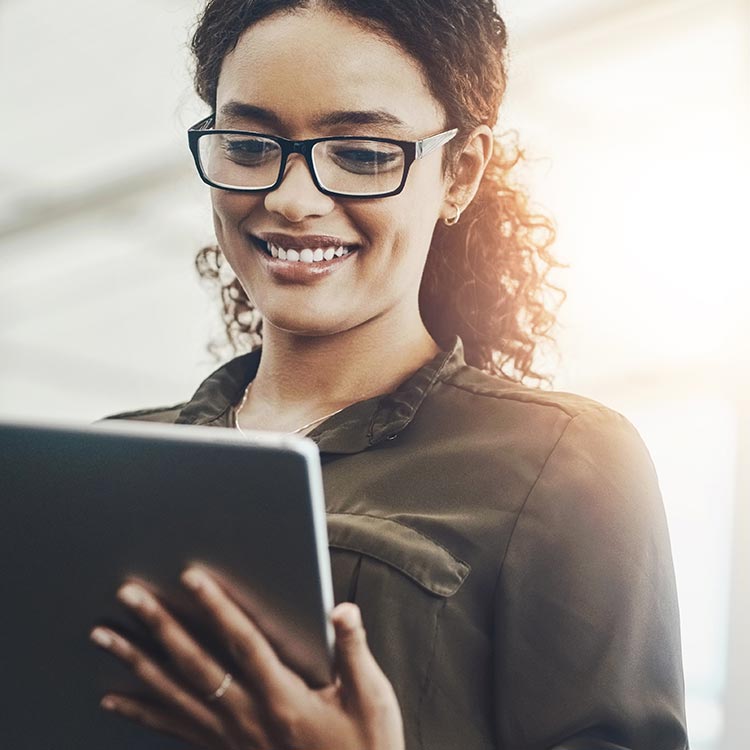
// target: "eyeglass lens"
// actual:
[[352, 167]]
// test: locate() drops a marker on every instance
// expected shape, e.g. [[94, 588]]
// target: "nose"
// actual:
[[297, 198]]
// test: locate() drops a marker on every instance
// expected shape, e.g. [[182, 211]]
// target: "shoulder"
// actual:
[[215, 394], [494, 392], [554, 438], [167, 414], [499, 404]]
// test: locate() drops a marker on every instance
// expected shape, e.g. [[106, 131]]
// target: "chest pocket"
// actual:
[[402, 581], [402, 548]]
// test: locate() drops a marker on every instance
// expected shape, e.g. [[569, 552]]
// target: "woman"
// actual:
[[505, 546]]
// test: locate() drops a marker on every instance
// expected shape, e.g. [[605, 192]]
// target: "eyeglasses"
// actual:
[[348, 166]]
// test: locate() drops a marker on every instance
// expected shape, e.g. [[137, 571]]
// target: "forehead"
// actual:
[[306, 64]]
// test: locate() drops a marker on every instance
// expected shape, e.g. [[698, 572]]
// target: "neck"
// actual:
[[301, 377]]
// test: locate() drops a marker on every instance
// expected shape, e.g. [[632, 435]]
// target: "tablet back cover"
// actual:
[[82, 509]]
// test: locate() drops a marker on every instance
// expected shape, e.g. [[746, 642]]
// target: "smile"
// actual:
[[317, 253], [306, 254]]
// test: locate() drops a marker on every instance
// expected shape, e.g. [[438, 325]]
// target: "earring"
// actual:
[[453, 220]]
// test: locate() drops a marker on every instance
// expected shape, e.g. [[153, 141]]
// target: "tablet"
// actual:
[[83, 508]]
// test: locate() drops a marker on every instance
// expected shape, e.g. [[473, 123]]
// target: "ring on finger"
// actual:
[[222, 689]]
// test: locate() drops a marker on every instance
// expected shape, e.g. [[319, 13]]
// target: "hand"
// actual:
[[267, 705]]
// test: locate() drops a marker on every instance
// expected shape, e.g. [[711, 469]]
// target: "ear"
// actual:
[[468, 171]]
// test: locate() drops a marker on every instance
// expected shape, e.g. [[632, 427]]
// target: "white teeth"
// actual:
[[307, 255]]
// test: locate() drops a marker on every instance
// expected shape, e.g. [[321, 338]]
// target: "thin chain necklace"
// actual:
[[302, 429]]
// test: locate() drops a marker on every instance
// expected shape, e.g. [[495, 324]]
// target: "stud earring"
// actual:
[[453, 220]]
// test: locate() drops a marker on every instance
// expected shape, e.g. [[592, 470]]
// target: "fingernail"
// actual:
[[351, 617], [133, 595], [102, 637], [107, 703], [194, 578]]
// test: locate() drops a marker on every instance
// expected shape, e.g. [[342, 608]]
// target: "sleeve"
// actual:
[[587, 634]]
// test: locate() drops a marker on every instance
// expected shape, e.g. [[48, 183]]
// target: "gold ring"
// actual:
[[219, 692]]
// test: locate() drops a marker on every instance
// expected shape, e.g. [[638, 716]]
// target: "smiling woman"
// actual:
[[490, 293], [505, 547]]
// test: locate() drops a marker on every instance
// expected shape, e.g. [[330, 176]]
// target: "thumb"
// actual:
[[357, 668]]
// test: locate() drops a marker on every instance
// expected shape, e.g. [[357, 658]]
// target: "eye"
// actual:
[[365, 157], [250, 151]]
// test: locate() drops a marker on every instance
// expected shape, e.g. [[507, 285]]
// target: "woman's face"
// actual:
[[315, 73]]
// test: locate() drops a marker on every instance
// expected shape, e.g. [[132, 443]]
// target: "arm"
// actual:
[[587, 625]]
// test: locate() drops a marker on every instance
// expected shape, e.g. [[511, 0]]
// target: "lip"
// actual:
[[297, 271], [291, 242]]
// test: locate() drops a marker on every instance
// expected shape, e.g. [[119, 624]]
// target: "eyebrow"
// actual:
[[234, 110], [359, 117]]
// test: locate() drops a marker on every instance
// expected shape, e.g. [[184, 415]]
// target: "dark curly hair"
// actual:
[[485, 278]]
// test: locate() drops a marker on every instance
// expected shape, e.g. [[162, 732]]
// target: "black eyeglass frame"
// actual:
[[413, 150]]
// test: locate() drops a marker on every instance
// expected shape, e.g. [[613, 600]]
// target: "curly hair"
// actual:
[[486, 278]]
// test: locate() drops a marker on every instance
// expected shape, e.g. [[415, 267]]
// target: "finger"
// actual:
[[254, 654], [155, 678], [360, 674], [158, 719], [364, 687], [199, 670], [190, 659]]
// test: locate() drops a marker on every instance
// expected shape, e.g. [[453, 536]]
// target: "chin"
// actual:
[[308, 325]]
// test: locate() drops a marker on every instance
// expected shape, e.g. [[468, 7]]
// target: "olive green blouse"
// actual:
[[509, 551]]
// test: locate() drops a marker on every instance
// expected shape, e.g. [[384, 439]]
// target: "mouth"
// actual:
[[306, 250]]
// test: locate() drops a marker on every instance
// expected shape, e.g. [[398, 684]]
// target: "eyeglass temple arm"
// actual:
[[427, 145], [204, 123]]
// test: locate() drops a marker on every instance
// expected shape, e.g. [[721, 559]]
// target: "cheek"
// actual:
[[412, 221], [410, 217], [229, 211], [424, 194], [401, 234]]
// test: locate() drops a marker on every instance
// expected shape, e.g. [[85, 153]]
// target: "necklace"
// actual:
[[302, 429]]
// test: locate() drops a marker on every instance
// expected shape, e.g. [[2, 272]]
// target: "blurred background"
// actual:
[[634, 115]]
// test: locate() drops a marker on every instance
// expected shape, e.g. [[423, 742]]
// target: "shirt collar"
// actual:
[[351, 430]]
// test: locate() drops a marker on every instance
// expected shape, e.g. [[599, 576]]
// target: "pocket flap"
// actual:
[[417, 556]]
